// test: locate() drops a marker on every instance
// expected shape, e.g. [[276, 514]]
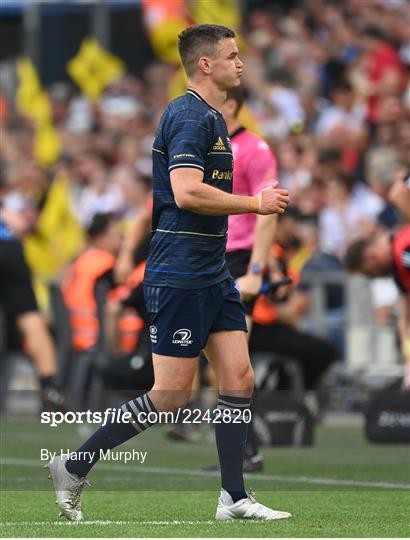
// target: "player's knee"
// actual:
[[170, 400], [245, 380], [242, 380], [248, 380]]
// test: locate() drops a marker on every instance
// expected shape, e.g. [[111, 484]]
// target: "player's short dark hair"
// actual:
[[99, 224], [200, 40], [355, 255], [238, 96]]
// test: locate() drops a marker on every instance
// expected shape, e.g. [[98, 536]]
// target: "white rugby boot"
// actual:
[[245, 509], [68, 488]]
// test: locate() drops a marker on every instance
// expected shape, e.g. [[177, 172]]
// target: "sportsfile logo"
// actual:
[[153, 330], [182, 337]]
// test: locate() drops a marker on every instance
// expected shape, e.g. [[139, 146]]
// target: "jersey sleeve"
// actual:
[[187, 137], [262, 168]]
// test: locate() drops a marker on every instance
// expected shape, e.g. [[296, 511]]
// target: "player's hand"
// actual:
[[273, 200], [249, 286]]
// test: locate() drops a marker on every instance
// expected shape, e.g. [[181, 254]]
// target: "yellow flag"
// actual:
[[32, 101], [40, 110], [93, 68], [47, 145], [225, 12]]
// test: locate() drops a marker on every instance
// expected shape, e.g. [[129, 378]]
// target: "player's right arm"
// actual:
[[191, 193], [187, 136]]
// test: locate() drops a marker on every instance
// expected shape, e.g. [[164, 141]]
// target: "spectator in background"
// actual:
[[385, 71], [320, 263], [95, 264], [381, 165], [99, 195], [350, 212], [342, 122]]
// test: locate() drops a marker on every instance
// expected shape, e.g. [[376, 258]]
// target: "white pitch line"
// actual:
[[108, 522], [192, 472]]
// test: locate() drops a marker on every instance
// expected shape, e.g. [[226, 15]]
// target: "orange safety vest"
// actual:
[[265, 311], [78, 293], [130, 324]]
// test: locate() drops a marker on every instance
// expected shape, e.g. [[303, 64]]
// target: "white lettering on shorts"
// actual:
[[182, 337]]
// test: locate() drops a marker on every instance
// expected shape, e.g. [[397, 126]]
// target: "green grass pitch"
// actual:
[[342, 486]]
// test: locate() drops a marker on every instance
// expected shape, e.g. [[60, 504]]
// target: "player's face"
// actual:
[[227, 67]]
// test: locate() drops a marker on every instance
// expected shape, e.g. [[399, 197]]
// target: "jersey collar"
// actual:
[[198, 96]]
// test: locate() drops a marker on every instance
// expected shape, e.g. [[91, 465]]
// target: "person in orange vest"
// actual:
[[97, 263], [275, 327]]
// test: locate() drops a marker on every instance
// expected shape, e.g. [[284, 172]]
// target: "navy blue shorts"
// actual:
[[182, 319]]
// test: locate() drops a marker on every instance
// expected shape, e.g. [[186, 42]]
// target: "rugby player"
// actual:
[[384, 255], [189, 293]]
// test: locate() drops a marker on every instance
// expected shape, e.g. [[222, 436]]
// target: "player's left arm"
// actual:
[[262, 171]]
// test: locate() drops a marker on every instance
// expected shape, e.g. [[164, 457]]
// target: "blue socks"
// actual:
[[112, 435], [230, 437], [231, 443]]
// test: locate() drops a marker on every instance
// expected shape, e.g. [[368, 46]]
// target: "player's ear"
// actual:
[[205, 65]]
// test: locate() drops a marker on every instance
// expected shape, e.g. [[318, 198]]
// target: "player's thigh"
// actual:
[[177, 318], [174, 373], [227, 352]]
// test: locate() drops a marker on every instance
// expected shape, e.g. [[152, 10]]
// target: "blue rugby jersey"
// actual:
[[188, 250]]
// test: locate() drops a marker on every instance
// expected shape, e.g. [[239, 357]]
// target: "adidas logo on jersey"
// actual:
[[219, 145]]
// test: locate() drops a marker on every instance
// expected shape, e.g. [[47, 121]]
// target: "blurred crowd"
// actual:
[[327, 85]]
